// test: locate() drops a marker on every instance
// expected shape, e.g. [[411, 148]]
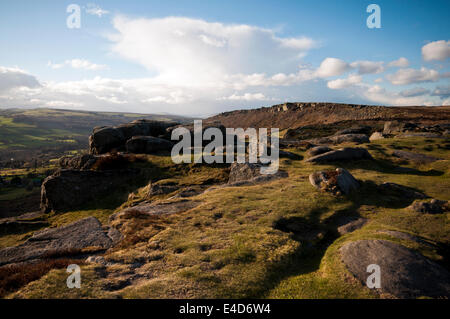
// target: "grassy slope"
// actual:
[[227, 246], [49, 127]]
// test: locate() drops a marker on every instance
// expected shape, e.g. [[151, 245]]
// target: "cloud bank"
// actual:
[[200, 68]]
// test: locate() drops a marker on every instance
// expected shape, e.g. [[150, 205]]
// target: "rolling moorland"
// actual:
[[44, 134], [358, 185], [32, 141]]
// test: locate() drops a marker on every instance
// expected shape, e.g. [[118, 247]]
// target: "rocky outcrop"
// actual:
[[145, 128], [245, 173], [362, 129], [106, 139], [376, 136], [415, 157], [77, 162], [407, 129], [406, 236], [153, 209], [290, 155], [205, 126], [404, 273], [352, 225], [147, 145], [335, 182], [430, 207], [69, 189], [419, 134], [343, 154], [339, 139], [317, 150], [62, 241], [400, 191], [395, 127], [161, 188]]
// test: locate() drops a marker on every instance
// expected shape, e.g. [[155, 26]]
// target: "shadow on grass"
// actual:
[[315, 238], [21, 227], [307, 258], [386, 166]]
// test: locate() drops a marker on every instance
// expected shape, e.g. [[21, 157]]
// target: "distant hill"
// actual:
[[294, 115], [25, 132]]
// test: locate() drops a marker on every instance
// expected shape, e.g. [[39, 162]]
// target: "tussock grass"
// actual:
[[230, 247]]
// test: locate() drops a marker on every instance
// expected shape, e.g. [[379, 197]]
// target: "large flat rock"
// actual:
[[415, 157], [343, 138], [343, 154], [250, 173], [64, 240], [404, 273], [156, 209]]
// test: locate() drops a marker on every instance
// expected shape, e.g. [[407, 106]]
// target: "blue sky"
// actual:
[[204, 57]]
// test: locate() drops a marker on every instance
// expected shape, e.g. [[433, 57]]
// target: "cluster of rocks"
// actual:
[[336, 182], [142, 136], [81, 162], [70, 189], [365, 134], [408, 129], [434, 206], [106, 139]]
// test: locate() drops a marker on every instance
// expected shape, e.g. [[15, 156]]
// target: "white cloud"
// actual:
[[332, 67], [78, 64], [203, 67], [442, 91], [55, 66], [407, 76], [380, 95], [245, 97], [11, 78], [368, 67], [85, 64], [94, 9], [437, 50], [375, 93], [60, 103], [417, 91], [184, 50], [399, 63], [352, 79]]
